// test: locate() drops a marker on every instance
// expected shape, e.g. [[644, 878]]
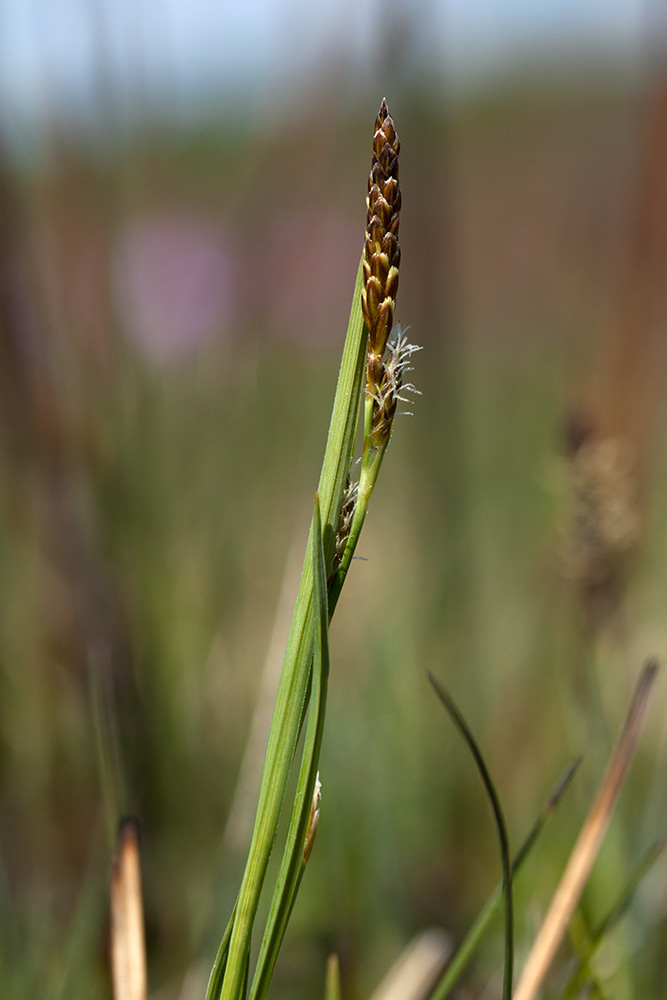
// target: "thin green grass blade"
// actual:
[[78, 957], [579, 934], [462, 725], [545, 814], [295, 676], [582, 973], [471, 941], [637, 875], [343, 425], [109, 761], [291, 868], [220, 964]]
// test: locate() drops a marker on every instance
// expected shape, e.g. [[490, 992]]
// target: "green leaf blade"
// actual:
[[295, 676], [293, 863]]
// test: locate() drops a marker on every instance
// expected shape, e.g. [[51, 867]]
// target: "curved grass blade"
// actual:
[[471, 941], [295, 676], [501, 827], [293, 864], [220, 964]]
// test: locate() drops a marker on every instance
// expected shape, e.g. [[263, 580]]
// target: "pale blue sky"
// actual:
[[184, 51]]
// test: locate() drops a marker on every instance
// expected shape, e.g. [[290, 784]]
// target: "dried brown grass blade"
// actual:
[[588, 844], [128, 950]]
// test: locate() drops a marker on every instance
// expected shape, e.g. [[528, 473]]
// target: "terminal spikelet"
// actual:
[[382, 253], [388, 355]]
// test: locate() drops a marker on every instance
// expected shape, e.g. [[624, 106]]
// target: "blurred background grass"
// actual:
[[175, 291]]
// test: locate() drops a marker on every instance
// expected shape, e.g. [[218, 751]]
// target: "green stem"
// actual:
[[370, 468], [293, 863], [293, 685]]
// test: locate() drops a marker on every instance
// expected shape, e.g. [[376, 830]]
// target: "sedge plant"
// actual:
[[370, 381]]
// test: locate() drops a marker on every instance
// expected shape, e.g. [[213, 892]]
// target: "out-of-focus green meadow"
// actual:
[[157, 491]]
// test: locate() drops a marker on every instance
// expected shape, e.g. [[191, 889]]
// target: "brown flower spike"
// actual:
[[382, 253], [388, 361]]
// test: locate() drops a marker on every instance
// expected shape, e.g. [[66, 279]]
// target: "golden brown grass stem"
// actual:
[[588, 844], [128, 950]]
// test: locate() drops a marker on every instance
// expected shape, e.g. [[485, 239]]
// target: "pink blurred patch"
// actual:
[[175, 278], [311, 266]]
